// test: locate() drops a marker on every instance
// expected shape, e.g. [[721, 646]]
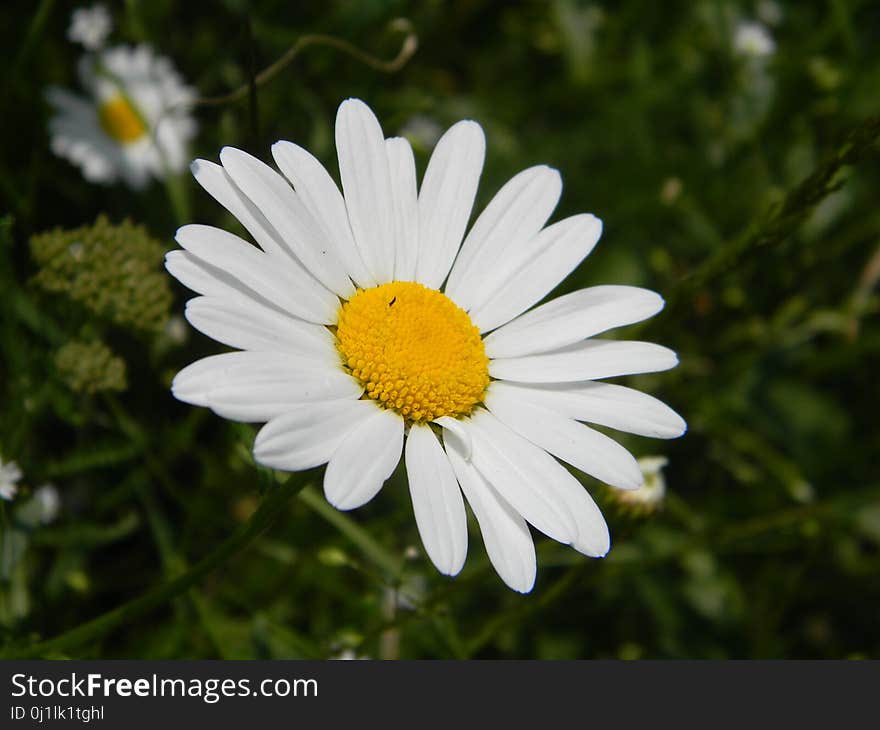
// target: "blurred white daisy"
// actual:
[[176, 330], [49, 502], [369, 332], [753, 40], [422, 131], [649, 496], [10, 475], [347, 655], [90, 26], [135, 122]]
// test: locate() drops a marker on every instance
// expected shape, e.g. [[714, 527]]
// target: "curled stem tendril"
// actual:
[[400, 25]]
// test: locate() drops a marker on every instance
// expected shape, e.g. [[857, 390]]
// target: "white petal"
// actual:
[[248, 325], [581, 446], [463, 435], [402, 166], [513, 217], [322, 199], [307, 436], [68, 103], [228, 265], [260, 402], [216, 181], [202, 277], [437, 502], [258, 386], [366, 457], [537, 473], [609, 405], [571, 318], [193, 383], [366, 182], [446, 199], [588, 360], [194, 274], [305, 239], [502, 457], [506, 535], [539, 266]]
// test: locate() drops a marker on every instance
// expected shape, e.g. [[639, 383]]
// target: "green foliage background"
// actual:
[[745, 191]]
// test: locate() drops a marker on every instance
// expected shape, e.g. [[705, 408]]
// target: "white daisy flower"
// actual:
[[369, 332], [753, 40], [10, 475], [90, 26], [134, 124]]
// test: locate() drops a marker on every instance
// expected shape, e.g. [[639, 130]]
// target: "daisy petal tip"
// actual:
[[261, 457], [343, 504], [182, 232], [185, 394], [627, 480], [231, 155], [667, 359], [281, 146], [259, 449], [451, 568], [471, 127], [522, 586], [518, 577], [264, 454], [353, 105], [190, 234], [673, 426], [605, 545], [176, 390], [551, 172], [180, 239], [596, 547]]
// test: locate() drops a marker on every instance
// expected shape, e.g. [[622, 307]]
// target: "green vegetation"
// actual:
[[741, 183]]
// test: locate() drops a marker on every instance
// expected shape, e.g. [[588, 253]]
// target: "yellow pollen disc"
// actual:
[[119, 120], [414, 350]]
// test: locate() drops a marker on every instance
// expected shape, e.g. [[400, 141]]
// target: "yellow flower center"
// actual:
[[414, 350], [119, 120]]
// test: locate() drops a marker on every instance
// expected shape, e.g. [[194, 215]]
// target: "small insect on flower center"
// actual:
[[120, 121], [414, 350]]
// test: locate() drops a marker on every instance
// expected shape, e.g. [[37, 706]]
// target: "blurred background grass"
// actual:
[[768, 542]]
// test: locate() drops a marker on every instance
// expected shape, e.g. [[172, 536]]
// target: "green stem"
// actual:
[[92, 630], [32, 36], [782, 220], [360, 537], [178, 196], [407, 49], [174, 564], [518, 614]]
